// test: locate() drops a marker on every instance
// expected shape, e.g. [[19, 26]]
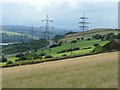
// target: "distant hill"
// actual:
[[13, 30], [28, 29], [89, 33]]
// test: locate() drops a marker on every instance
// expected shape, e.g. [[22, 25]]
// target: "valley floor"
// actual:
[[96, 71]]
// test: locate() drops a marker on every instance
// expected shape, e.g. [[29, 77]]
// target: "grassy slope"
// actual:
[[97, 71], [88, 34], [80, 44]]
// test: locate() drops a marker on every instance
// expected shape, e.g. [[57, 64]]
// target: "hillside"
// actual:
[[96, 71], [89, 34], [37, 31], [16, 33], [60, 50], [12, 37]]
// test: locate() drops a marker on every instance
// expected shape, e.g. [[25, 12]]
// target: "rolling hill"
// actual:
[[28, 29], [12, 30], [89, 34]]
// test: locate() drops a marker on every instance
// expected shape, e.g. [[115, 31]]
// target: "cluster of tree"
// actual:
[[27, 56], [55, 45], [31, 56], [9, 38], [71, 32], [57, 38], [97, 36], [109, 36], [24, 47], [86, 48], [74, 41]]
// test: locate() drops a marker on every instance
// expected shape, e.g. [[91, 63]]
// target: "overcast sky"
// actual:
[[65, 13]]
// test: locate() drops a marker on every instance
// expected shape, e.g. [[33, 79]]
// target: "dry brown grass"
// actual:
[[100, 71]]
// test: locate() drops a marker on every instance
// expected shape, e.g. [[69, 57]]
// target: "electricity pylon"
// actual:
[[83, 24], [47, 31]]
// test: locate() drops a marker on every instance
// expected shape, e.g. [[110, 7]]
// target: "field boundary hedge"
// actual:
[[29, 62]]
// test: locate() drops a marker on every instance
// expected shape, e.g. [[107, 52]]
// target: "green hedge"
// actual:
[[27, 62], [68, 50]]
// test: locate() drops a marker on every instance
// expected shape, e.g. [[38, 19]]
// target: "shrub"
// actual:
[[77, 48], [35, 56], [64, 55], [65, 41], [23, 58], [78, 38], [96, 45], [57, 38], [88, 39], [102, 39], [71, 32], [82, 38], [87, 48], [19, 55], [69, 50], [9, 62], [74, 41], [42, 54], [53, 45], [59, 44], [62, 51], [48, 56], [109, 36], [97, 36], [35, 50], [74, 49], [58, 52]]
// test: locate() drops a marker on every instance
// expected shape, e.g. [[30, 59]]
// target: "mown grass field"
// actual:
[[96, 71]]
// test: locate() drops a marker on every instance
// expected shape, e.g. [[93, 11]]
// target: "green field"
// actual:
[[96, 71], [81, 44]]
